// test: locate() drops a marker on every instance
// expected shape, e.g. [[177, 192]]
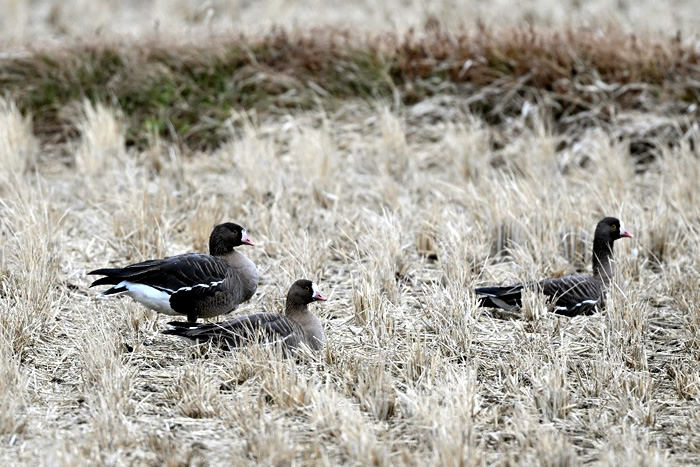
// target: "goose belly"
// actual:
[[214, 307]]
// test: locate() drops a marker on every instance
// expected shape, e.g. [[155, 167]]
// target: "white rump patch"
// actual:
[[150, 297]]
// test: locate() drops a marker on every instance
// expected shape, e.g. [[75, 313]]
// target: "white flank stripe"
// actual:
[[206, 286], [585, 302]]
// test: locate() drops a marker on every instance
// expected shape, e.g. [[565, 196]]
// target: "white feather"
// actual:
[[584, 302], [206, 286], [150, 297]]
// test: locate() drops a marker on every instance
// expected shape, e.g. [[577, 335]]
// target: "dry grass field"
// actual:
[[396, 203]]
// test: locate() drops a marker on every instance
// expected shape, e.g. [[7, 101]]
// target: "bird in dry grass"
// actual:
[[570, 295], [194, 284], [297, 326]]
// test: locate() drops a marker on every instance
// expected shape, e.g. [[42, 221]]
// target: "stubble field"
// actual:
[[398, 201]]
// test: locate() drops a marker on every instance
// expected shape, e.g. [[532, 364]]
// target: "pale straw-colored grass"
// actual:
[[397, 213], [18, 146], [405, 339], [102, 144]]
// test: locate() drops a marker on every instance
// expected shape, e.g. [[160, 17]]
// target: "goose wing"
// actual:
[[505, 297], [570, 295], [168, 274], [573, 295], [237, 332]]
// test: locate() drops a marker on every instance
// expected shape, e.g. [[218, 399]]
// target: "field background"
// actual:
[[397, 190]]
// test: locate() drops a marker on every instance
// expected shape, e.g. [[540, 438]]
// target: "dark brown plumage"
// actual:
[[569, 295], [194, 284], [298, 325]]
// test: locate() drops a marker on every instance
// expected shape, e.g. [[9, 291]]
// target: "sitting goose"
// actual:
[[570, 295], [194, 284], [298, 325]]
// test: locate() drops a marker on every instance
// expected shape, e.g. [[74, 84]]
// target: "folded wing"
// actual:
[[569, 295], [574, 295], [237, 332]]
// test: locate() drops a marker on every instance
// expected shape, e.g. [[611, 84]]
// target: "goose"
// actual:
[[297, 326], [573, 295], [194, 285]]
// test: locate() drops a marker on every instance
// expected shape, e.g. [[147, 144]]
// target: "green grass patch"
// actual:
[[187, 91]]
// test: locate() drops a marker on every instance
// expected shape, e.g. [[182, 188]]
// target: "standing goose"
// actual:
[[298, 325], [571, 295], [194, 284]]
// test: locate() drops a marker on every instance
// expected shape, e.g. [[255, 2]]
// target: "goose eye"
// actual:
[[235, 232], [306, 288], [614, 226]]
